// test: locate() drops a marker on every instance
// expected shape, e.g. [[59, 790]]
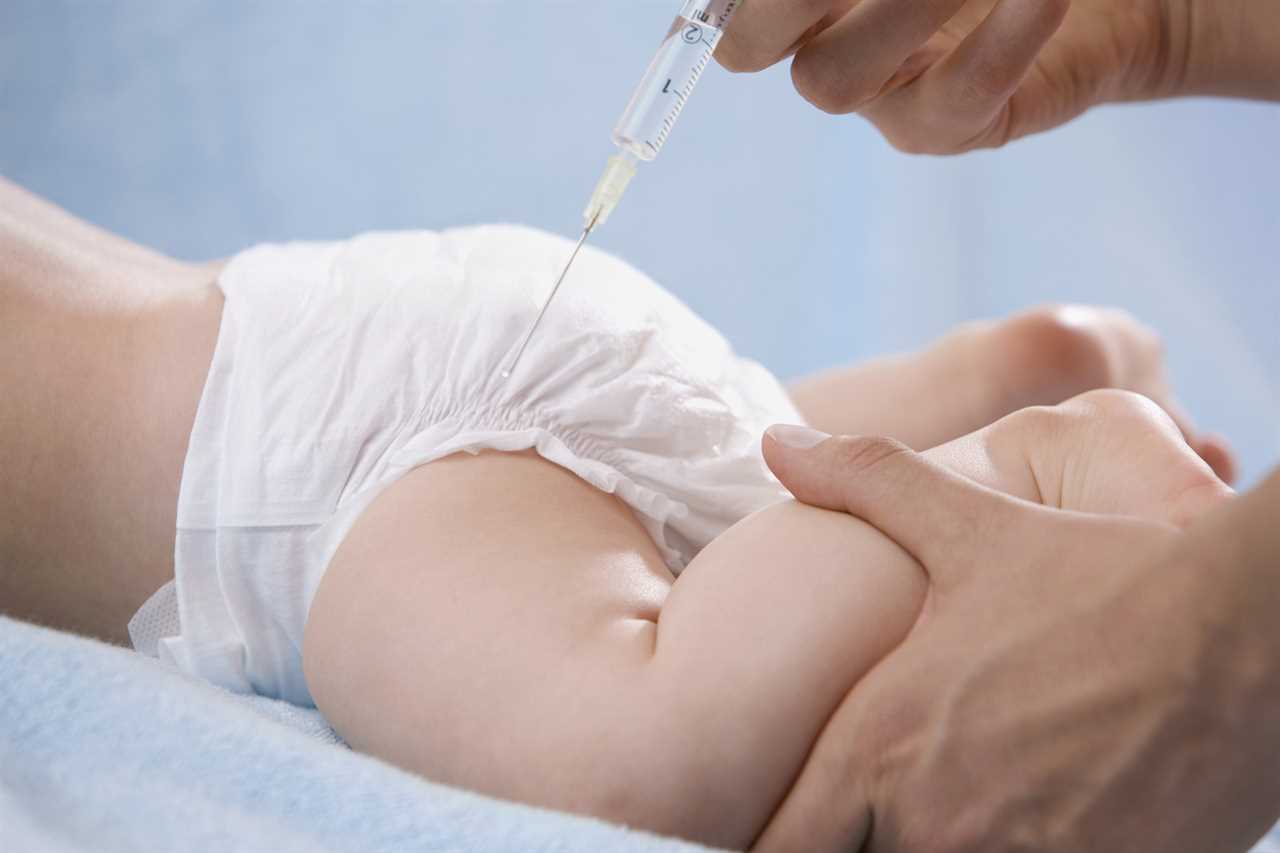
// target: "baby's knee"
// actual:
[[1050, 353]]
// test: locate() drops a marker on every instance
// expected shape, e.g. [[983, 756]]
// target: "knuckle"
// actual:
[[866, 453], [758, 37], [987, 83], [913, 131], [814, 79], [908, 143], [738, 57], [935, 122]]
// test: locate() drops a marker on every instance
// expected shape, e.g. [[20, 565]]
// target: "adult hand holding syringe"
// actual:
[[946, 76]]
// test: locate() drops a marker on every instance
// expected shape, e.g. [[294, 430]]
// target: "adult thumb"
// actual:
[[949, 523]]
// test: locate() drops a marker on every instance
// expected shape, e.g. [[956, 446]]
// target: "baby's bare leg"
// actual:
[[495, 623], [973, 376], [498, 624], [983, 371]]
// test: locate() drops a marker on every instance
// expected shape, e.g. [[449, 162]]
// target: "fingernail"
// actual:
[[796, 437]]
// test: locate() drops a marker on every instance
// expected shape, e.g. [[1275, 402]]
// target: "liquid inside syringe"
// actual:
[[671, 77]]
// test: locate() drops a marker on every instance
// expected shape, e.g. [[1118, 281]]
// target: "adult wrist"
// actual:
[[1232, 558], [1244, 537], [1228, 47]]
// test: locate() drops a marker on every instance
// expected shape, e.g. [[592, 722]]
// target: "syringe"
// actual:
[[648, 119]]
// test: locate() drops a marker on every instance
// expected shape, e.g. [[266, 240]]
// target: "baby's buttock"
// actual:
[[468, 536], [449, 508]]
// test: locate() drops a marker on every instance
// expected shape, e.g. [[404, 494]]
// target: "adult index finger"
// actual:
[[848, 63]]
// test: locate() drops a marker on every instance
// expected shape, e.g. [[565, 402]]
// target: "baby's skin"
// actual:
[[495, 623]]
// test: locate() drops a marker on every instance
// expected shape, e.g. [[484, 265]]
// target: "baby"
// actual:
[[580, 587]]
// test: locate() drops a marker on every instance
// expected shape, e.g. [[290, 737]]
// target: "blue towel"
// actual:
[[104, 750]]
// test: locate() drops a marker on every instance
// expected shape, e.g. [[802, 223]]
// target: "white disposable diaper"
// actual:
[[339, 367]]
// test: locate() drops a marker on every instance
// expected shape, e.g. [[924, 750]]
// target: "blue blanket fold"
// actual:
[[104, 750]]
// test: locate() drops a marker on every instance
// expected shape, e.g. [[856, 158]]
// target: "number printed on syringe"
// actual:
[[666, 86]]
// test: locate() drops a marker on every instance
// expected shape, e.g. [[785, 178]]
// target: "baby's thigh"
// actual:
[[823, 593], [764, 634]]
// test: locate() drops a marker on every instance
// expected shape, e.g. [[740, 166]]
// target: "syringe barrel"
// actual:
[[672, 75]]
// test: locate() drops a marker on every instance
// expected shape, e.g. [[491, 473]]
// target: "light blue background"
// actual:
[[201, 127]]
